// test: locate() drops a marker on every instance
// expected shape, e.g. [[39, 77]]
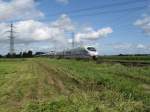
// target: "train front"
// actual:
[[92, 52]]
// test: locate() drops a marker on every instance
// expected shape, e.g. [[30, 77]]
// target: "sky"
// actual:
[[113, 27]]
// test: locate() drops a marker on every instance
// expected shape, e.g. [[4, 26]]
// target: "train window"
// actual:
[[91, 49], [83, 52]]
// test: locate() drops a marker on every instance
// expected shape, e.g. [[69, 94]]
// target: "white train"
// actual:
[[80, 52]]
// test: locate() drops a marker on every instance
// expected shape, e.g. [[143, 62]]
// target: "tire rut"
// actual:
[[66, 81], [53, 78]]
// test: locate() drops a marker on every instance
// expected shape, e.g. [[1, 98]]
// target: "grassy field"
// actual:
[[50, 85]]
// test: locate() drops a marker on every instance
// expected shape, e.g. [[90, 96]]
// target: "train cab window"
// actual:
[[83, 52], [91, 49]]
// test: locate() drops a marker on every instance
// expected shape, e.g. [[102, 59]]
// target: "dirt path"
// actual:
[[65, 82], [55, 78]]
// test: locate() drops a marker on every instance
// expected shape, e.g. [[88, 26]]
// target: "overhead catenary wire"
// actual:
[[100, 12], [132, 9], [99, 7], [111, 11]]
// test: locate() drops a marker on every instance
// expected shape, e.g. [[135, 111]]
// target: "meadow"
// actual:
[[52, 85]]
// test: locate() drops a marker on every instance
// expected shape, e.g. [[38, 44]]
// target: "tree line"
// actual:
[[28, 54]]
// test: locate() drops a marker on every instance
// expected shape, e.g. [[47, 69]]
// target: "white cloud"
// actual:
[[64, 23], [55, 33], [32, 30], [19, 9], [141, 46], [90, 34], [144, 24], [128, 46], [63, 1], [29, 31], [3, 29]]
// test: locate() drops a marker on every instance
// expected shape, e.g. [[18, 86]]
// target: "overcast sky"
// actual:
[[113, 27]]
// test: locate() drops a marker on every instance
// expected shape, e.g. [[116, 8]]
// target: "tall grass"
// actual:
[[91, 101]]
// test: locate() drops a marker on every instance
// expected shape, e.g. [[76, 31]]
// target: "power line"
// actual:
[[107, 12], [113, 11], [133, 9], [100, 7]]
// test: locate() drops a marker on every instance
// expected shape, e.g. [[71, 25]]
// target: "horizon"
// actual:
[[43, 25]]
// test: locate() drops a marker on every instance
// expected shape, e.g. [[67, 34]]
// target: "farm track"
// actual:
[[62, 80], [53, 77]]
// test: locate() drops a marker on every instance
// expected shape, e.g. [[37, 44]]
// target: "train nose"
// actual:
[[93, 53]]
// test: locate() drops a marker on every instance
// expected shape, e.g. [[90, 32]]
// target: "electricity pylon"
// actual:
[[12, 39]]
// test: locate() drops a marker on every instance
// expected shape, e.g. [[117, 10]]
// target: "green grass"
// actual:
[[50, 85]]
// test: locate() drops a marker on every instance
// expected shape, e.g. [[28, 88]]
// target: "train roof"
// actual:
[[81, 47], [86, 46]]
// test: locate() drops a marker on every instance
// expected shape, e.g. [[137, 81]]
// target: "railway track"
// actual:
[[122, 62], [125, 63]]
